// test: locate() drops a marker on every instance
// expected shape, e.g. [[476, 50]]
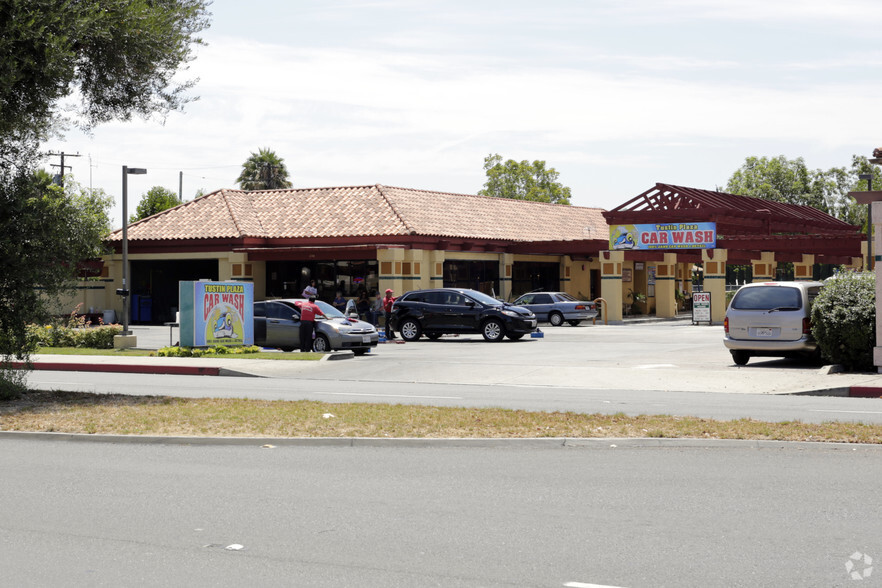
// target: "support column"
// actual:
[[436, 268], [764, 267], [665, 285], [506, 263], [876, 213], [611, 284], [566, 269], [802, 271], [391, 266], [715, 281]]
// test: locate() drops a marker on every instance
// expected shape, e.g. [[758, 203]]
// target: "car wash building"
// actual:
[[376, 237]]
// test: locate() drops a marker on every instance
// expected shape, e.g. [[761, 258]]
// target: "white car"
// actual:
[[771, 319]]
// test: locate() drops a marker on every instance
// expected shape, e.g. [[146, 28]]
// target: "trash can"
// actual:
[[109, 316]]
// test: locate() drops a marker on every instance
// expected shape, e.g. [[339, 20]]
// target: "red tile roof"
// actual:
[[366, 211]]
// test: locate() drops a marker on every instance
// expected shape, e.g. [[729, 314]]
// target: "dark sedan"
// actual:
[[456, 310]]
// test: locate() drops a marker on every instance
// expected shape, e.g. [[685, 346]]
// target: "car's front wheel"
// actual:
[[321, 344], [493, 330], [556, 319], [740, 357], [410, 330]]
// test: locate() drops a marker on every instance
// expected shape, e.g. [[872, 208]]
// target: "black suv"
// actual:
[[454, 310]]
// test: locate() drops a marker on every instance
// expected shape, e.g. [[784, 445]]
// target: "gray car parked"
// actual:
[[557, 307], [277, 324]]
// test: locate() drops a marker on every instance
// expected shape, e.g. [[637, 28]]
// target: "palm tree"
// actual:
[[264, 170]]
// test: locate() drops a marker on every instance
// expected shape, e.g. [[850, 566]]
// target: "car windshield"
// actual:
[[767, 298], [482, 298], [328, 310]]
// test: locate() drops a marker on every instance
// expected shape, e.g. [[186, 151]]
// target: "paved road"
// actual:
[[99, 514]]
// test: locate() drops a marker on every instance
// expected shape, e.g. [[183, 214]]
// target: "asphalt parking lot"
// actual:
[[672, 355]]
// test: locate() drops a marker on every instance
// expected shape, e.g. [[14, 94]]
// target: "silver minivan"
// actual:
[[771, 319]]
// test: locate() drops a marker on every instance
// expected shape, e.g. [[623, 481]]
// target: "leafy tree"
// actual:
[[117, 58], [264, 170], [46, 230], [523, 181], [155, 200], [782, 180]]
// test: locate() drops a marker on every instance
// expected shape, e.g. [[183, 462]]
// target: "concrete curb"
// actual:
[[444, 443], [178, 370]]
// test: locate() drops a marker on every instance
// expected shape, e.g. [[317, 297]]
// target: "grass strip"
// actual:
[[75, 412], [150, 353]]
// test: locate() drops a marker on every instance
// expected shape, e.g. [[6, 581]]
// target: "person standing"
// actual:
[[309, 291], [388, 299], [375, 309], [308, 312]]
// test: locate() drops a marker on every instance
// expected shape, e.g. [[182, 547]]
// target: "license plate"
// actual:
[[764, 332], [365, 338]]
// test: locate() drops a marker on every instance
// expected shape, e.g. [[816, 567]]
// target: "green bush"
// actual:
[[13, 381], [60, 335], [205, 351], [844, 320]]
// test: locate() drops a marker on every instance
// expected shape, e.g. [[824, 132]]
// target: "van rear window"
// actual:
[[767, 298]]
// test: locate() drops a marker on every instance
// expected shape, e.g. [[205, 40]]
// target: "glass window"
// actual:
[[542, 299], [477, 275], [768, 298], [277, 310], [434, 297], [286, 279], [454, 299]]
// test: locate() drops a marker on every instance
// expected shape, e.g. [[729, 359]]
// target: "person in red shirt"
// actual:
[[388, 299], [308, 312]]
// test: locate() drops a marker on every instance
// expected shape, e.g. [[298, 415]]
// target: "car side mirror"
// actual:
[[470, 303]]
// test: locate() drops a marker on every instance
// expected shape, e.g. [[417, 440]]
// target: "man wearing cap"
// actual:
[[308, 312], [387, 309]]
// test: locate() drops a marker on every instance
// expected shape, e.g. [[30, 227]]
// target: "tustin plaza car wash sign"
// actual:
[[663, 236]]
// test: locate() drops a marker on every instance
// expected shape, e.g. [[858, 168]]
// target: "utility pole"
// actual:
[[869, 179], [180, 187], [62, 166]]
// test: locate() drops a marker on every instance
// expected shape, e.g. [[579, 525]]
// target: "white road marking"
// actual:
[[584, 585], [386, 395], [851, 411]]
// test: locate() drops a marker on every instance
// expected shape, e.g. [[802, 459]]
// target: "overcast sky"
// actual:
[[615, 95]]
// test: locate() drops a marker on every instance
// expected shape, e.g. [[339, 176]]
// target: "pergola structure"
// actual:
[[749, 230]]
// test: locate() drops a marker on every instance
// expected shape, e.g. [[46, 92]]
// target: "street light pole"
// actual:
[[869, 178], [124, 292]]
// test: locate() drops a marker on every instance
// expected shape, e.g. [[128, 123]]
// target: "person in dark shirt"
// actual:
[[339, 302]]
